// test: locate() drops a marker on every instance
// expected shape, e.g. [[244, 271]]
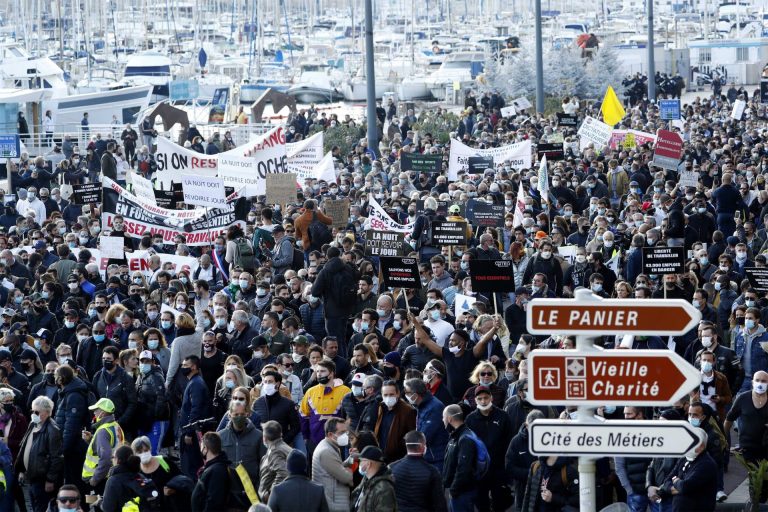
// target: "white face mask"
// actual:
[[268, 389], [759, 387], [343, 439], [454, 350], [706, 341], [145, 457], [389, 401], [484, 407]]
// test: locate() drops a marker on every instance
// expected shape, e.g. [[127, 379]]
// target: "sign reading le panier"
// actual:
[[384, 243], [401, 272], [449, 233], [492, 275]]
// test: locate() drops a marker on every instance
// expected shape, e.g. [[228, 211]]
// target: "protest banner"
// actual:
[[421, 163], [401, 272], [758, 278], [379, 220], [480, 213], [165, 199], [553, 152], [663, 260], [338, 210], [205, 191], [491, 275], [112, 247], [198, 226], [281, 188], [174, 160], [479, 164], [303, 156], [518, 156], [689, 179], [594, 131], [324, 170], [138, 261], [264, 156], [141, 187], [380, 243], [449, 233], [86, 193], [630, 139], [668, 150], [570, 120]]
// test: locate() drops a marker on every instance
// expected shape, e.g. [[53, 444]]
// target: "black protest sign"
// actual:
[[165, 199], [570, 120], [764, 92], [421, 163], [553, 152], [384, 243], [491, 275], [663, 260], [178, 192], [479, 164], [480, 213], [442, 207], [758, 278], [449, 233], [401, 272], [86, 193]]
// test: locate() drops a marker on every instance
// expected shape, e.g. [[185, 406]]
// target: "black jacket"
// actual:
[[124, 485], [418, 486], [495, 430], [518, 462], [697, 484], [89, 354], [152, 398], [46, 458], [563, 493], [121, 389], [240, 344], [281, 410], [71, 413], [460, 462], [325, 283], [211, 492], [298, 492]]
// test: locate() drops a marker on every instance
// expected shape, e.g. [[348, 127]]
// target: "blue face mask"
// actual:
[[98, 338], [364, 326], [381, 313], [45, 294], [435, 314], [749, 323], [153, 344], [92, 312], [166, 324], [145, 367], [695, 422], [609, 409], [396, 325], [18, 300]]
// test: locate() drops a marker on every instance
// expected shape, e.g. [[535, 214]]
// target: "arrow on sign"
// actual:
[[658, 317], [596, 377], [640, 438]]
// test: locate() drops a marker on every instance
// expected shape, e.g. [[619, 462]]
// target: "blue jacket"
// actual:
[[313, 320], [71, 411], [429, 421], [756, 359], [195, 404]]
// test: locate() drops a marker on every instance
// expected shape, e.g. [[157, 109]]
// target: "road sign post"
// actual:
[[590, 376]]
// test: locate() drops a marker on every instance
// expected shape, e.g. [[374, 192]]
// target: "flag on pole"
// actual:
[[543, 185], [519, 206], [612, 109]]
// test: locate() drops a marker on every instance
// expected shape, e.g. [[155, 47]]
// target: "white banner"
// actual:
[[379, 220], [324, 170], [305, 155], [142, 187], [138, 261], [112, 247], [265, 156], [174, 160], [518, 155], [203, 191], [594, 131]]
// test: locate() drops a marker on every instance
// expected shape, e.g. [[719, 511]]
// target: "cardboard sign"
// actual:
[[421, 163], [553, 152], [570, 120], [281, 188], [663, 260], [381, 243], [204, 190], [338, 210], [86, 193], [522, 103], [508, 111], [142, 187], [112, 247], [449, 233], [401, 272], [689, 179], [165, 199], [758, 278], [478, 164], [669, 110], [480, 213], [462, 304], [492, 275]]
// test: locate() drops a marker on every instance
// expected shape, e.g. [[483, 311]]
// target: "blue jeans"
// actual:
[[299, 443], [464, 502], [156, 434], [664, 506], [637, 502]]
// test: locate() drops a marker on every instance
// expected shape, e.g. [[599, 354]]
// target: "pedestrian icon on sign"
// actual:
[[549, 378]]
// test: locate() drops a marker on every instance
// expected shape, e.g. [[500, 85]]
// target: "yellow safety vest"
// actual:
[[91, 458], [132, 505], [2, 479]]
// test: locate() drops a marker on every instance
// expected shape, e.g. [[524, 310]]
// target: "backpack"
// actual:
[[244, 257], [483, 457], [319, 233], [298, 260], [344, 286]]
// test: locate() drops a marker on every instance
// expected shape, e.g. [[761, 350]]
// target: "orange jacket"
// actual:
[[303, 221]]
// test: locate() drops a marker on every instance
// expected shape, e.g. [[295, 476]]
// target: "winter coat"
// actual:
[[211, 492], [298, 492], [281, 410], [46, 458], [183, 346], [328, 470], [460, 461], [123, 486], [563, 493], [152, 398], [495, 431], [273, 468], [404, 421], [245, 447], [418, 486], [429, 421], [71, 412], [376, 494], [324, 284], [121, 389]]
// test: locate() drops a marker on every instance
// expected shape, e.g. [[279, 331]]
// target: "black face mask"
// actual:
[[50, 379], [108, 365], [323, 380], [186, 372], [389, 371]]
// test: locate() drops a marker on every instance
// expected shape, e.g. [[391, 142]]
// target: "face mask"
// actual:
[[63, 360], [718, 286], [357, 391], [144, 457], [706, 341], [749, 323], [108, 365], [609, 409], [36, 420], [98, 338], [389, 401], [706, 367], [427, 377], [724, 268], [364, 326], [695, 422], [132, 344], [18, 300], [704, 260], [181, 307], [268, 389], [166, 324], [343, 439], [381, 313], [759, 387], [597, 287], [325, 379], [153, 344], [435, 314], [484, 381], [741, 255], [581, 258], [454, 350], [485, 407], [258, 354], [546, 254]]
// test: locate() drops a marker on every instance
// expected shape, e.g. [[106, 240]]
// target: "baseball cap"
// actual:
[[146, 354], [357, 379], [105, 404], [454, 208]]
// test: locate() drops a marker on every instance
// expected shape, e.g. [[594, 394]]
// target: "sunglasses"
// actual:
[[68, 499], [486, 374], [99, 332]]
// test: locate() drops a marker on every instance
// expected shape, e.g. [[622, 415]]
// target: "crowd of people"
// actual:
[[280, 373]]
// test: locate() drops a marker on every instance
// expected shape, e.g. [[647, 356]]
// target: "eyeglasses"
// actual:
[[486, 374], [288, 365], [99, 332], [68, 499]]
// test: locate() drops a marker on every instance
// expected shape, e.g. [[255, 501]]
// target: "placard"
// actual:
[[165, 199], [689, 179], [10, 145], [738, 109], [462, 304], [142, 187], [522, 103], [669, 110], [663, 260], [112, 247], [86, 193], [281, 188], [758, 278], [508, 111], [492, 275], [421, 163], [338, 210], [553, 152], [668, 150], [449, 233], [595, 131], [205, 191], [382, 243], [480, 213], [401, 272], [569, 120], [479, 164]]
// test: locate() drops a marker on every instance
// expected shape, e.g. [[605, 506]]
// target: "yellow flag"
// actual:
[[250, 491], [613, 111]]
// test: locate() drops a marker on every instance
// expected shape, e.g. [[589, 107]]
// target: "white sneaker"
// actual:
[[721, 496]]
